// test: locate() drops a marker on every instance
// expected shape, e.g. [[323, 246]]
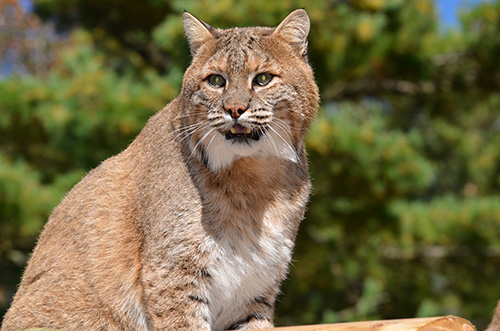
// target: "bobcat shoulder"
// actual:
[[192, 226], [495, 322]]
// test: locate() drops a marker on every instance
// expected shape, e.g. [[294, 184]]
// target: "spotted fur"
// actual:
[[192, 226]]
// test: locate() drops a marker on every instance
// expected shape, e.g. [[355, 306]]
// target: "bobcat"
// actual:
[[495, 323], [192, 226]]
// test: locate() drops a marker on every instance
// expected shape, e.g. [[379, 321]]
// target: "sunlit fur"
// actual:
[[186, 229], [495, 322]]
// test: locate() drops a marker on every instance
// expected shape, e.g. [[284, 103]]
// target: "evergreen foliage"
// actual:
[[404, 219]]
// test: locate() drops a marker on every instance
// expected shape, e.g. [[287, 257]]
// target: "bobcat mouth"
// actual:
[[239, 132]]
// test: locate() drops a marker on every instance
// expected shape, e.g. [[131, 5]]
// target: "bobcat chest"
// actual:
[[242, 271]]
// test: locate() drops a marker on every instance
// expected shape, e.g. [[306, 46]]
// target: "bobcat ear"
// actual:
[[294, 29], [197, 31]]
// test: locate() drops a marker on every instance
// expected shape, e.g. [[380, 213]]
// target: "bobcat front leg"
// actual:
[[260, 313], [175, 302]]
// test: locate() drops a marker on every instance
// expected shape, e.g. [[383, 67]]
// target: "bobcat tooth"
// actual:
[[248, 131], [233, 130]]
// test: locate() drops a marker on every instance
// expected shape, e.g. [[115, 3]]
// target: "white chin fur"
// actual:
[[221, 153]]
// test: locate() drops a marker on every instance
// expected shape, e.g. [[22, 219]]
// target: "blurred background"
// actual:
[[404, 220]]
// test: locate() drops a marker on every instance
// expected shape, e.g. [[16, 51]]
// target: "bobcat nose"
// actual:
[[235, 110]]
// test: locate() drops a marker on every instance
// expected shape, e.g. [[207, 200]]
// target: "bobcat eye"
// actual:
[[263, 79], [216, 81]]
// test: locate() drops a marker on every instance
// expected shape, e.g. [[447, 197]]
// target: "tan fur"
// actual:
[[187, 229], [495, 322]]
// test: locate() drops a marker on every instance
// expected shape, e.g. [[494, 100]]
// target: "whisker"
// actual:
[[210, 142], [192, 130], [218, 122], [266, 134], [286, 142], [199, 142], [285, 124], [185, 127], [284, 127], [186, 130], [202, 113]]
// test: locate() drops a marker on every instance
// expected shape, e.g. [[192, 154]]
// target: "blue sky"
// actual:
[[448, 10]]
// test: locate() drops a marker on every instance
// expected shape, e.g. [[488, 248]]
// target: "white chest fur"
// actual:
[[243, 271]]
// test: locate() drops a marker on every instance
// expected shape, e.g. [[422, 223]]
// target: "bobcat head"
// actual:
[[249, 92]]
